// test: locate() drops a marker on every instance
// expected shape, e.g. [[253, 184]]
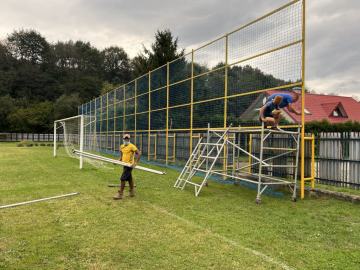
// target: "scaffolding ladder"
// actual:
[[204, 153]]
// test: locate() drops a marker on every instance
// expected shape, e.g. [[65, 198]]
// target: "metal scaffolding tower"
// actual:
[[212, 156]]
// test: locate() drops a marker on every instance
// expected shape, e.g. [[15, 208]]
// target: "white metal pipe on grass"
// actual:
[[114, 161], [39, 200]]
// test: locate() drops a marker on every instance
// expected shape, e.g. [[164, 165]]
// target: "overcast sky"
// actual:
[[333, 26]]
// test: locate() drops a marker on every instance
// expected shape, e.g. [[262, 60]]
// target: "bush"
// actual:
[[324, 126], [25, 143]]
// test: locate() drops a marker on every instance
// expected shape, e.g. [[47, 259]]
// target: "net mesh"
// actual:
[[223, 82], [69, 131]]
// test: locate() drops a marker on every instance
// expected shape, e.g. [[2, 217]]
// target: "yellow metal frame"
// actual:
[[149, 117], [229, 62], [225, 101], [173, 157], [167, 115], [191, 102], [302, 161], [114, 120], [141, 141], [250, 151], [124, 110], [312, 176], [101, 122], [155, 146], [135, 107], [107, 120]]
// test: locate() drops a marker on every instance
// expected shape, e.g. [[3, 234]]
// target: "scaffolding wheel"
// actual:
[[258, 201], [293, 199]]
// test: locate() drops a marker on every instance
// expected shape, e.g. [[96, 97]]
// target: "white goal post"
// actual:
[[79, 139], [73, 135]]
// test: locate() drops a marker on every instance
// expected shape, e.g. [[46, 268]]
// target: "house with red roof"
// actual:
[[335, 109], [318, 107]]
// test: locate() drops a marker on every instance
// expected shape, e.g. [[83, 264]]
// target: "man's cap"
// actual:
[[126, 136]]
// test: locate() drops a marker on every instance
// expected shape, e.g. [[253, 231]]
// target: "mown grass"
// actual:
[[162, 227]]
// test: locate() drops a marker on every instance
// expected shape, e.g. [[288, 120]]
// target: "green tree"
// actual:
[[116, 65], [28, 45], [107, 87], [163, 50], [66, 106], [140, 65], [88, 58], [7, 70], [35, 118], [33, 84], [7, 106]]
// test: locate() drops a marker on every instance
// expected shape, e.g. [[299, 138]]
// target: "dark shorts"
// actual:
[[126, 175], [266, 115]]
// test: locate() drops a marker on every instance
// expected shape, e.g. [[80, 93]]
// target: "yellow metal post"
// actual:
[[114, 119], [149, 122], [250, 150], [124, 111], [226, 80], [174, 148], [101, 118], [167, 115], [141, 142], [191, 101], [225, 101], [302, 161], [107, 120], [95, 124], [313, 161], [155, 145], [135, 108]]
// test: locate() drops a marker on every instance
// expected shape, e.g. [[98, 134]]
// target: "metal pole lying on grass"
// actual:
[[39, 200], [114, 161]]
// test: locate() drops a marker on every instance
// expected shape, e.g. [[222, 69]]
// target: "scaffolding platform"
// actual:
[[218, 153]]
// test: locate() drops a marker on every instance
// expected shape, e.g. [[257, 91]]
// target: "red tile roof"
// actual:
[[329, 107], [322, 106]]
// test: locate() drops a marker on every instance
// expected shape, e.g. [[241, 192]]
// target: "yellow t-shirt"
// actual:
[[128, 152]]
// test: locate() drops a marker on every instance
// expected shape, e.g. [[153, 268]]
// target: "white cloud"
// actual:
[[333, 40]]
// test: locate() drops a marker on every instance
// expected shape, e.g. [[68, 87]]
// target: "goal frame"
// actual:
[[81, 138]]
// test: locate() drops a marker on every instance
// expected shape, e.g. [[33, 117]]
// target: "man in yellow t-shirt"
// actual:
[[129, 154]]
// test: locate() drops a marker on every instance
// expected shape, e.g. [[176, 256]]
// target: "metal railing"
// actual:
[[338, 159], [36, 137]]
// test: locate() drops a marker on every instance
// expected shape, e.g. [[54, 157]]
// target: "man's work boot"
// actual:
[[118, 196], [132, 193]]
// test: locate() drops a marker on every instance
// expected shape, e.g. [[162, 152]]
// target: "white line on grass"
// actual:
[[223, 238]]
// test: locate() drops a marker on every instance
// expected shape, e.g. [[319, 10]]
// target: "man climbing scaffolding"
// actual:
[[270, 113]]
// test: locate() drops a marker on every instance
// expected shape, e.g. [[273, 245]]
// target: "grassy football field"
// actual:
[[162, 227]]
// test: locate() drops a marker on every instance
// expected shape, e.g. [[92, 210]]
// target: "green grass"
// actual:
[[162, 227]]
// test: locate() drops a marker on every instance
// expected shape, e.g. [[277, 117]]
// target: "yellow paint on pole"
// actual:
[[302, 162]]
